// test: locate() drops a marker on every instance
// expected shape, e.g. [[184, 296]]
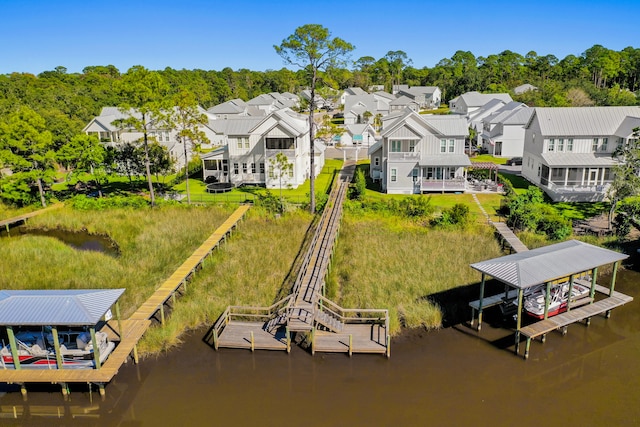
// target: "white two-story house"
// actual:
[[252, 146], [568, 151], [420, 154], [106, 128]]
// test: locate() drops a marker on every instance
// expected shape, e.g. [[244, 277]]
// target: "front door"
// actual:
[[593, 177]]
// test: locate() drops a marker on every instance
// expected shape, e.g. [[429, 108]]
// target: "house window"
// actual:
[[412, 146], [235, 169], [244, 168], [270, 171], [396, 146], [290, 172], [452, 145], [261, 167], [605, 141], [246, 143], [394, 175], [570, 144], [376, 161], [620, 143], [551, 145], [253, 168], [594, 145], [443, 145], [414, 174], [240, 143], [225, 166], [280, 144], [560, 144]]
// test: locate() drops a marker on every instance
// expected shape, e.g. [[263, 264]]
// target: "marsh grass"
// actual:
[[249, 270], [152, 244], [384, 262]]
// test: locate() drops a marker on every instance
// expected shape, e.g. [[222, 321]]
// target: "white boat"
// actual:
[[534, 299], [36, 349]]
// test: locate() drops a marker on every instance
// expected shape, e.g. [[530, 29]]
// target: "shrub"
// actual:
[[85, 203], [555, 227], [357, 189], [457, 215]]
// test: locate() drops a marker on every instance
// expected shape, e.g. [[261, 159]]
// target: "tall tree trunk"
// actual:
[[312, 178], [186, 172], [41, 190], [147, 165]]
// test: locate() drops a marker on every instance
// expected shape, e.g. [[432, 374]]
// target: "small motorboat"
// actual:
[[36, 349], [534, 300]]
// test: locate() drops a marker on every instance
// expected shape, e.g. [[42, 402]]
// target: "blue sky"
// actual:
[[37, 35]]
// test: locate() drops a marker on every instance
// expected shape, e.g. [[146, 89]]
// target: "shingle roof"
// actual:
[[530, 268], [56, 307], [582, 121]]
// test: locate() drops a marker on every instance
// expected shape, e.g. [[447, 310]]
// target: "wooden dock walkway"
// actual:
[[6, 223], [329, 327], [509, 237], [563, 320], [133, 328]]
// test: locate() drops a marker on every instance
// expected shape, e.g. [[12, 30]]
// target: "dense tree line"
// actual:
[[599, 76]]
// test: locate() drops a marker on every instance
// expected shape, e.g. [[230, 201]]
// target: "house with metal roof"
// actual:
[[105, 127], [358, 134], [503, 131], [519, 90], [356, 108], [427, 97], [402, 102], [421, 153], [351, 91], [469, 102], [568, 150], [252, 145]]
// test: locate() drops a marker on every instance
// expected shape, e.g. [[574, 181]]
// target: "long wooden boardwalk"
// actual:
[[6, 223], [327, 326], [509, 237], [128, 332]]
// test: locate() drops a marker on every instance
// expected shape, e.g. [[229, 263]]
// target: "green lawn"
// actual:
[[489, 158]]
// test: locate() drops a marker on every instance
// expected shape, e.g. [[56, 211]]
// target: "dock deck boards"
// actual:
[[24, 217], [509, 237], [238, 335], [365, 339]]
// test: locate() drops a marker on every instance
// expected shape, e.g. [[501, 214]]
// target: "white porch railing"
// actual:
[[578, 188], [456, 184], [404, 155]]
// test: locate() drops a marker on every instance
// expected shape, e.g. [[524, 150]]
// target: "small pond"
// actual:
[[80, 240]]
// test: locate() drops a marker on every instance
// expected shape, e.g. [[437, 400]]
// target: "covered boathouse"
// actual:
[[56, 328], [571, 264]]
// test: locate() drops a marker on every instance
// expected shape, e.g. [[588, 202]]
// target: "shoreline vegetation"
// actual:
[[385, 257]]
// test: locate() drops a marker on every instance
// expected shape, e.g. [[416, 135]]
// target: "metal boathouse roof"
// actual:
[[74, 307], [530, 268]]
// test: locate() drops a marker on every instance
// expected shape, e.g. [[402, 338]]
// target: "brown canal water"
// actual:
[[450, 377]]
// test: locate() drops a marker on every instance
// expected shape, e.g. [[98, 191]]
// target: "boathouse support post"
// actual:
[[56, 348], [135, 354], [253, 345], [96, 349], [313, 341], [14, 349], [119, 319], [613, 278], [215, 339], [547, 300], [519, 319], [526, 349], [570, 293], [65, 390], [594, 276], [482, 282], [350, 344]]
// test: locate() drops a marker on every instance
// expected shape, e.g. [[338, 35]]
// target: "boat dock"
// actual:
[[575, 315], [324, 325], [565, 263], [507, 236], [128, 332]]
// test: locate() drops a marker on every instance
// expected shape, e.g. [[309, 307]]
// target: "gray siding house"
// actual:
[[568, 151], [420, 154]]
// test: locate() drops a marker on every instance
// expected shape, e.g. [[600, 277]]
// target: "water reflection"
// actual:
[[447, 377]]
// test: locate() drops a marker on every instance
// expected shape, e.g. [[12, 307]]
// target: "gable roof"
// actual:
[[75, 307], [581, 121], [530, 268], [477, 99], [445, 125]]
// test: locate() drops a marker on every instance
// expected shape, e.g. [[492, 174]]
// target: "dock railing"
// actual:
[[353, 315]]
